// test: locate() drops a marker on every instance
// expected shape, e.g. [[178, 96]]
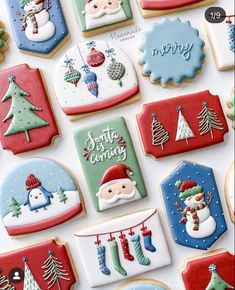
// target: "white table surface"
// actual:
[[218, 157]]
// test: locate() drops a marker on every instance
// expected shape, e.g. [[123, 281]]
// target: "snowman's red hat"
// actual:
[[188, 188], [32, 182]]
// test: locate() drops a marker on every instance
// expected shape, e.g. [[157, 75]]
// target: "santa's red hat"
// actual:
[[32, 182]]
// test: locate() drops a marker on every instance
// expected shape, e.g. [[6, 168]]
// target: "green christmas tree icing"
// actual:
[[21, 111], [2, 42], [61, 194], [15, 208], [216, 282]]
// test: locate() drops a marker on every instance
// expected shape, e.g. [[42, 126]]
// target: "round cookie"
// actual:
[[171, 52], [3, 45], [229, 191], [145, 284]]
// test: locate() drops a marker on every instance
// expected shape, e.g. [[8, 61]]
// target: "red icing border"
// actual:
[[166, 4], [57, 220], [102, 105]]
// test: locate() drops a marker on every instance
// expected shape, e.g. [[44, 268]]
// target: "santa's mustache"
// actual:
[[104, 11], [117, 197]]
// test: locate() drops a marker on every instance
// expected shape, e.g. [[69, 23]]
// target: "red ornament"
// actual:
[[95, 58]]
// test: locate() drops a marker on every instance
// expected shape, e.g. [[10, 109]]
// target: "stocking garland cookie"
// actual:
[[3, 44]]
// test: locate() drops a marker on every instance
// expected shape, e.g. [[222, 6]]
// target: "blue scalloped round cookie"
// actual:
[[145, 284], [171, 52]]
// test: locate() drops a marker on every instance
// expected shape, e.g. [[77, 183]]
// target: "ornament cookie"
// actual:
[[229, 191], [151, 8], [94, 76], [123, 247], [145, 284], [36, 195], [45, 265], [171, 43], [3, 45], [222, 39], [98, 16], [109, 164], [231, 106], [193, 206], [214, 270], [26, 118], [181, 124], [39, 26]]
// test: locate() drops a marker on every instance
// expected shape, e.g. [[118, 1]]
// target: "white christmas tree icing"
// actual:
[[4, 282], [159, 134], [29, 281]]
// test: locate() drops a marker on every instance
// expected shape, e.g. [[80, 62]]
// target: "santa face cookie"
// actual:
[[26, 118], [229, 191], [214, 270], [181, 124], [94, 76], [122, 247], [36, 195], [3, 44], [39, 26], [171, 44], [41, 266], [109, 163], [193, 206], [97, 16], [222, 39], [231, 106], [145, 284]]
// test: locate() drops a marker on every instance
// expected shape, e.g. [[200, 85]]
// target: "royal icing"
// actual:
[[26, 118], [166, 5], [231, 106], [142, 232], [197, 120], [109, 163], [3, 39], [93, 76], [41, 266], [38, 26], [36, 195], [229, 191], [193, 206], [145, 284], [171, 43], [222, 39]]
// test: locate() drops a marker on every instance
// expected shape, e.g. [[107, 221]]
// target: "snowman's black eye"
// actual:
[[40, 193], [95, 6], [31, 195], [110, 190], [110, 3]]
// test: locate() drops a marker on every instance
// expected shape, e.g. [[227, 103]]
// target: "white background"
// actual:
[[218, 157]]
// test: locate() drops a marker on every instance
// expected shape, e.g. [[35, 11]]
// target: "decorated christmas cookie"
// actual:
[[222, 40], [193, 206], [151, 8], [94, 76], [26, 118], [181, 124], [229, 191], [231, 106], [109, 163], [145, 284], [39, 26], [36, 195], [171, 44], [37, 267], [3, 44], [123, 247], [211, 271], [97, 16]]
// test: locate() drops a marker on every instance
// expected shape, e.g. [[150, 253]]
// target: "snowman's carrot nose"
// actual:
[[199, 196]]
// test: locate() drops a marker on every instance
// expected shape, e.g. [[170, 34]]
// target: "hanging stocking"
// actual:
[[139, 252], [148, 241], [101, 259], [115, 257], [95, 58], [125, 248], [231, 34]]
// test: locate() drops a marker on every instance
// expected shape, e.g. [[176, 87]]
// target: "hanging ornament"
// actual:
[[95, 58], [231, 34], [115, 70], [72, 75]]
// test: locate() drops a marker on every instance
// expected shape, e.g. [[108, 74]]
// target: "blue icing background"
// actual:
[[45, 47], [144, 287], [44, 170], [171, 66], [203, 176]]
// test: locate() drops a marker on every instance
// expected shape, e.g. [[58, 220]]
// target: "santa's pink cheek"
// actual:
[[127, 189], [93, 9], [106, 195], [112, 5]]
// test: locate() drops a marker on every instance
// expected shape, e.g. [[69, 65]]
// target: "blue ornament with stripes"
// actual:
[[90, 79]]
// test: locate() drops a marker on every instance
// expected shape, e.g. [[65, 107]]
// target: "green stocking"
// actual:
[[115, 257], [139, 252]]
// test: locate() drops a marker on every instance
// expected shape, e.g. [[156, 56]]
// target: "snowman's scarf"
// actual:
[[31, 15], [193, 212]]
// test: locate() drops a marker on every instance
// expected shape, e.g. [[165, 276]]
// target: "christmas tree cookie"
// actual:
[[36, 195], [229, 191], [193, 206], [3, 44], [45, 265], [181, 124], [26, 118], [211, 271], [122, 247], [39, 26], [231, 106], [145, 284], [97, 16], [94, 76]]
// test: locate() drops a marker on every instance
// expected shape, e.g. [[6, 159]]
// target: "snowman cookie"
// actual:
[[210, 271], [94, 76], [46, 265], [109, 164], [231, 106], [98, 16], [229, 191], [122, 247], [3, 45], [151, 8], [171, 43], [39, 26], [193, 206], [36, 195], [145, 284]]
